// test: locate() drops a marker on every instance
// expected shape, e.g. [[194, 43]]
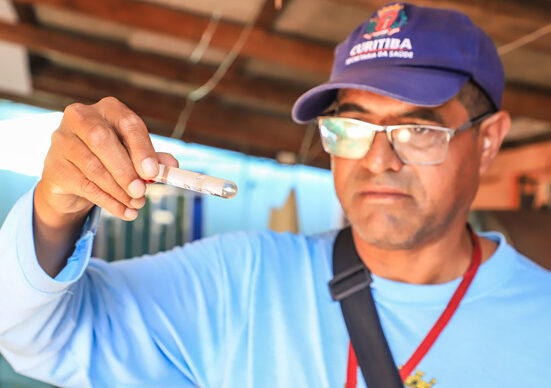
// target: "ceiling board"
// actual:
[[528, 65], [143, 40], [525, 128], [7, 12], [88, 66], [503, 21], [142, 47], [145, 81], [78, 22], [167, 45], [241, 11], [270, 70], [321, 20], [15, 75]]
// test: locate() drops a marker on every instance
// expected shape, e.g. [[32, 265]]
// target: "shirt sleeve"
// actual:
[[31, 302], [157, 321], [17, 241], [79, 259]]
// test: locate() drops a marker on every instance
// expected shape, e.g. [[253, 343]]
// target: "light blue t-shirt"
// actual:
[[254, 310]]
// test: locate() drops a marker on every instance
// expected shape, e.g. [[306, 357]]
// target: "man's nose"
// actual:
[[381, 156]]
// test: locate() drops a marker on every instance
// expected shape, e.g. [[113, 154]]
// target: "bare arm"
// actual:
[[99, 155]]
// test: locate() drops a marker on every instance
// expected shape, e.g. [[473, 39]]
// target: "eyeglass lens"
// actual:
[[349, 138]]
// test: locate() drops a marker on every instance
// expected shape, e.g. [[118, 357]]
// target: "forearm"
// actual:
[[25, 288], [54, 235]]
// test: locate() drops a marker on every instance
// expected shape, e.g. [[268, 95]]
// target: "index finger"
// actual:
[[106, 151], [133, 132]]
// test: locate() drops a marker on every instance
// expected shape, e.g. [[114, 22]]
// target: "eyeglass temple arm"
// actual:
[[474, 120]]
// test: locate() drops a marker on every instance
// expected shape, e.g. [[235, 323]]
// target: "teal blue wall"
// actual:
[[10, 379], [10, 110], [13, 186]]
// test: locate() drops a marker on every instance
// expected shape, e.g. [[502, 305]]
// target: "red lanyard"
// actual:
[[428, 341]]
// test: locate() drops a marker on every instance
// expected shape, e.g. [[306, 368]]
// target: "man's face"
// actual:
[[393, 205]]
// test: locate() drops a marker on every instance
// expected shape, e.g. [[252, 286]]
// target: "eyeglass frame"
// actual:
[[389, 128]]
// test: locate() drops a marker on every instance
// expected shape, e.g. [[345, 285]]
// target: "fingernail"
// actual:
[[130, 214], [136, 188], [137, 203], [150, 167]]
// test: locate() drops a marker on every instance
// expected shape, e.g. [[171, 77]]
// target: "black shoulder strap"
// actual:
[[351, 287]]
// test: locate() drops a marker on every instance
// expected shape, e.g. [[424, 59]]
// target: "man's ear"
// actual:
[[491, 134]]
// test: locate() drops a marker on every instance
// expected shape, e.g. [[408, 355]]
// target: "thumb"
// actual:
[[167, 159]]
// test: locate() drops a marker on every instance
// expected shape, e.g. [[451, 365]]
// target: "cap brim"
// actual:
[[415, 85]]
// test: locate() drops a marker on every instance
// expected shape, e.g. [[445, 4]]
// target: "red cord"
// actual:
[[433, 334], [352, 368]]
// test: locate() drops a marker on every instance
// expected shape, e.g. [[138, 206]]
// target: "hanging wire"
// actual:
[[208, 86], [203, 90], [522, 41], [195, 56], [206, 37], [183, 118]]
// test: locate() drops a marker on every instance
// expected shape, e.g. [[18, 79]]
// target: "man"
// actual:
[[411, 118]]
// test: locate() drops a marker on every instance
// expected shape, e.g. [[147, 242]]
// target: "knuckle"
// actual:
[[61, 139], [90, 188], [93, 166], [117, 195], [131, 123], [71, 150], [126, 200], [56, 137], [109, 100], [98, 134], [117, 209], [120, 195], [122, 174], [74, 110]]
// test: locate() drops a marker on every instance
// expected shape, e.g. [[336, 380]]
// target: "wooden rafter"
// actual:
[[228, 126], [45, 40], [261, 44], [265, 21], [523, 100], [504, 21], [246, 126], [279, 96]]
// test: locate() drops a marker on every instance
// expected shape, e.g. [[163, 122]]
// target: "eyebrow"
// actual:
[[425, 114], [419, 113], [351, 107]]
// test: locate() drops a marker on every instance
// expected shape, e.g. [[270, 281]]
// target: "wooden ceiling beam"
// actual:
[[264, 20], [522, 9], [229, 123], [53, 101], [43, 40], [521, 101], [268, 15], [25, 12], [261, 44], [504, 21], [526, 101]]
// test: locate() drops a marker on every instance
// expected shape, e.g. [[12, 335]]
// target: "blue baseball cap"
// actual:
[[419, 55]]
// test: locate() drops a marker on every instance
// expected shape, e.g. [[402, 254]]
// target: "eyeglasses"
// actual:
[[413, 143]]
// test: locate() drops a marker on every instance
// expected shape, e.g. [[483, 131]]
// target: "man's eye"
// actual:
[[419, 130]]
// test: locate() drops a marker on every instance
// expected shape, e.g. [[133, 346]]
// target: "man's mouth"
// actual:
[[383, 193]]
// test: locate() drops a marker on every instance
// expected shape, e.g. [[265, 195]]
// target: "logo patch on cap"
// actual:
[[386, 22]]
